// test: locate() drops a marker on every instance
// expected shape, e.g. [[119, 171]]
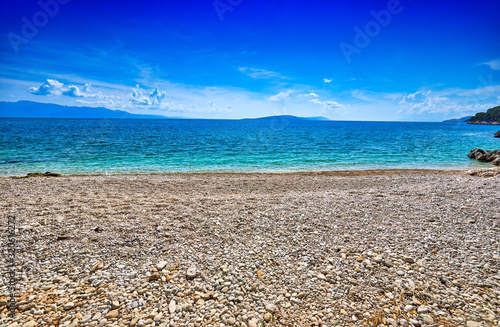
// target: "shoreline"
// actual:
[[351, 172]]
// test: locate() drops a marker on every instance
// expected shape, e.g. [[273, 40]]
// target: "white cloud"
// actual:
[[494, 64], [426, 102], [156, 96], [108, 103], [280, 96], [153, 100], [329, 106], [312, 95], [73, 91], [212, 107], [326, 80], [261, 73], [50, 86]]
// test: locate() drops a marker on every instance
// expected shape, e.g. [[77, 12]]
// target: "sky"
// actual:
[[406, 60]]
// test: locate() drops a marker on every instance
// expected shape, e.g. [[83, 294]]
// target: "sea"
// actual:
[[115, 146]]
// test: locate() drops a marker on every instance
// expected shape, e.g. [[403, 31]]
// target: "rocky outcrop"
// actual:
[[497, 134], [46, 174], [485, 156]]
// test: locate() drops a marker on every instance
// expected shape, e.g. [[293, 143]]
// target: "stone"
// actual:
[[426, 319], [112, 314], [68, 306], [423, 309], [171, 306], [161, 265], [30, 323], [409, 259], [191, 273], [271, 307], [392, 322], [260, 274], [154, 276], [472, 324], [158, 317], [409, 307], [268, 316]]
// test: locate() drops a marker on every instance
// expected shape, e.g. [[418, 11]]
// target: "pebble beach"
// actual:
[[352, 248]]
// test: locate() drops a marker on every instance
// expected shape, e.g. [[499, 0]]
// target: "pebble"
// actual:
[[171, 307], [257, 251]]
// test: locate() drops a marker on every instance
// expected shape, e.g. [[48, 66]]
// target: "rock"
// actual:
[[268, 316], [426, 319], [154, 276], [30, 323], [112, 314], [171, 306], [158, 317], [497, 134], [260, 274], [472, 324], [271, 307], [392, 322], [487, 156], [409, 308], [161, 265], [423, 309], [68, 306], [46, 174], [409, 259], [191, 273]]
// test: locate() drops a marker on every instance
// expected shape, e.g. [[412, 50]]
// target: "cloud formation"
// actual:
[[425, 102], [420, 102], [494, 64], [329, 106], [261, 73], [52, 86], [312, 95], [326, 80], [280, 96], [153, 100]]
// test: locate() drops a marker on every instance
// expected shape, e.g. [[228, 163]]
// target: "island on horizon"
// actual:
[[31, 109]]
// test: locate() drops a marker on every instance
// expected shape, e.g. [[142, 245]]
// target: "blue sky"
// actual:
[[350, 60]]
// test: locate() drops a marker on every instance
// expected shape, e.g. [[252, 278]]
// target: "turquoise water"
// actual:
[[71, 146]]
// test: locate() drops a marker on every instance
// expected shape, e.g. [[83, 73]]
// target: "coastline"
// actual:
[[351, 172], [309, 248]]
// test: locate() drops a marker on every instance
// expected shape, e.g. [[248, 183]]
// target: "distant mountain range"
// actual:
[[287, 118], [30, 109]]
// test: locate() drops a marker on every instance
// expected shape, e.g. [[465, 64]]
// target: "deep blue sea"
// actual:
[[71, 146]]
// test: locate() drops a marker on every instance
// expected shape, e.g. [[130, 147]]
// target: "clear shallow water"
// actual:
[[129, 146]]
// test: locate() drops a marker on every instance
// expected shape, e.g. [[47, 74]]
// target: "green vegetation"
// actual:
[[492, 115]]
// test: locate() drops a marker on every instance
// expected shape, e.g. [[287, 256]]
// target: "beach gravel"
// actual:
[[372, 248]]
